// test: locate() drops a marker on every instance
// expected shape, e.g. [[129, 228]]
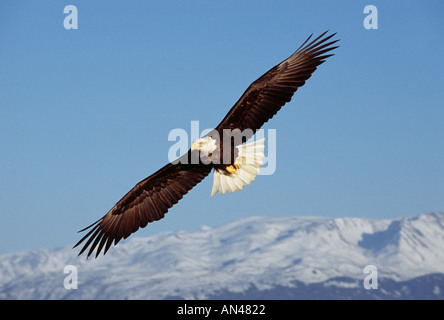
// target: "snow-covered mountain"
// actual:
[[253, 258]]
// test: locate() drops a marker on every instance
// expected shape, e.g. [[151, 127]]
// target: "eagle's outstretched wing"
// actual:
[[148, 201], [266, 96]]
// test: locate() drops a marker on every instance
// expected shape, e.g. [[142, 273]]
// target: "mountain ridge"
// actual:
[[254, 255]]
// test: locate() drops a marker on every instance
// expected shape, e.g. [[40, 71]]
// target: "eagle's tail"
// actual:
[[244, 170]]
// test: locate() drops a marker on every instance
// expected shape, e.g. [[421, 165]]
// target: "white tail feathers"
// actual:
[[247, 163]]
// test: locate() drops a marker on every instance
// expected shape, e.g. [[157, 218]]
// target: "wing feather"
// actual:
[[266, 96], [148, 201]]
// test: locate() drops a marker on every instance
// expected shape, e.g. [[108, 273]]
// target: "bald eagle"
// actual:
[[235, 163]]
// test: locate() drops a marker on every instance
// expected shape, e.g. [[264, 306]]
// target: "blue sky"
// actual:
[[85, 114]]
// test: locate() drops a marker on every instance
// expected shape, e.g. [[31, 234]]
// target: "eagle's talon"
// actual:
[[232, 168]]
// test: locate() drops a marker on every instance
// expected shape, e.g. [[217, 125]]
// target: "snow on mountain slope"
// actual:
[[256, 252]]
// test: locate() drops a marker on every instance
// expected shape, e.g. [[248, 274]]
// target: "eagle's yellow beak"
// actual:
[[195, 146]]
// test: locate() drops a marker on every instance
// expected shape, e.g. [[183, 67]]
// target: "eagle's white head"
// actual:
[[205, 146]]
